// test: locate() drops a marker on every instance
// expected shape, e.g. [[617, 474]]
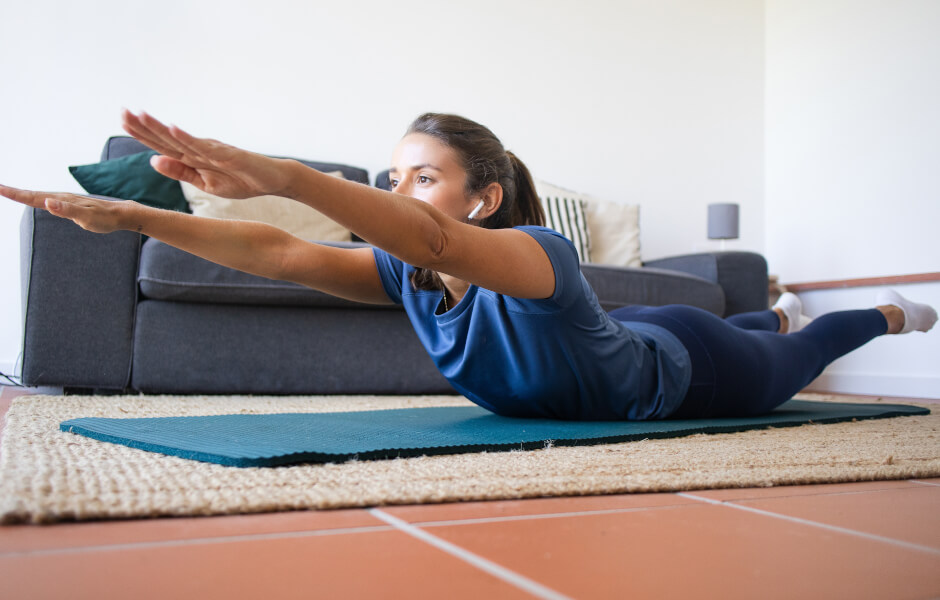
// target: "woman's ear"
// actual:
[[492, 197]]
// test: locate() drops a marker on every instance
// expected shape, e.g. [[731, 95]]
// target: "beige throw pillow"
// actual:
[[284, 213], [614, 228]]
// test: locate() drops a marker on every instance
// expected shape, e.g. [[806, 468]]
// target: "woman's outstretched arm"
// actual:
[[251, 247], [506, 261]]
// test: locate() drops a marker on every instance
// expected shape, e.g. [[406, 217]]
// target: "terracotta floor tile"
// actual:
[[783, 491], [698, 551], [362, 565], [534, 506], [907, 514], [5, 406], [38, 538]]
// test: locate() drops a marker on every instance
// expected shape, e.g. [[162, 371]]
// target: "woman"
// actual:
[[497, 300]]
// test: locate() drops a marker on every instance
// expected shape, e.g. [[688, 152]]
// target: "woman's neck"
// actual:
[[454, 288]]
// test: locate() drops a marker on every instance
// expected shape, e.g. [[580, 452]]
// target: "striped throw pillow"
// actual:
[[567, 217]]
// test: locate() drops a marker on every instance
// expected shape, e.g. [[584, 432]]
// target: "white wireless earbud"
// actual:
[[476, 210]]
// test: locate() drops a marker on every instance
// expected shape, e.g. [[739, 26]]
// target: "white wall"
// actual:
[[853, 138], [651, 102], [853, 168]]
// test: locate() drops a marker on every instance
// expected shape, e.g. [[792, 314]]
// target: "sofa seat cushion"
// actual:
[[624, 286], [167, 273]]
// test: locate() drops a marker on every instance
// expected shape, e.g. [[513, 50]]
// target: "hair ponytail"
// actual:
[[527, 206]]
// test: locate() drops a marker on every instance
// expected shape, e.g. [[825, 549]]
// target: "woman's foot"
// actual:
[[904, 316], [790, 310]]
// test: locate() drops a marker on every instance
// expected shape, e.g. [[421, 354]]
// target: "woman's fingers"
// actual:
[[164, 144], [176, 169], [32, 199], [174, 142], [161, 131], [210, 150], [88, 213]]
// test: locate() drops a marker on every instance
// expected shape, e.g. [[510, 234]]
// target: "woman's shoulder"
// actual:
[[559, 248], [564, 258], [547, 235]]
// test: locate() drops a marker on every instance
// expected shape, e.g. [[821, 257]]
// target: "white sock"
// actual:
[[917, 316], [792, 307]]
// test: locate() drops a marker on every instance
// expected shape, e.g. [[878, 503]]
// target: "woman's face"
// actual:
[[424, 168]]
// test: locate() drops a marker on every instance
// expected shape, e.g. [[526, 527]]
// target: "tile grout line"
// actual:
[[822, 494], [494, 569], [320, 532], [924, 483], [836, 528], [197, 541], [537, 516]]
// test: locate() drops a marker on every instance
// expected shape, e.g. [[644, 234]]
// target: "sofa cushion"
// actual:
[[131, 178], [185, 348], [167, 273], [624, 286], [293, 217]]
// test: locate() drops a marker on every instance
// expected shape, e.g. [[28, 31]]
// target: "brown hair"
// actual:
[[485, 161]]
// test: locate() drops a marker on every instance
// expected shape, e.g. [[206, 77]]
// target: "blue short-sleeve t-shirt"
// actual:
[[561, 357]]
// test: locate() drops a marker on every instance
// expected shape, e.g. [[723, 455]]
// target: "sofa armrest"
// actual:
[[742, 276], [79, 301]]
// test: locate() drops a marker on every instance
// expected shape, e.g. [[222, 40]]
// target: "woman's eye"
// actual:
[[424, 179], [393, 183]]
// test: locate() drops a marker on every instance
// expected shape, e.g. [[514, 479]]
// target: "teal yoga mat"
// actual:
[[280, 439]]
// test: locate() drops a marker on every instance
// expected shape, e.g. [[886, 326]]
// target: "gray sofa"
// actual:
[[121, 312]]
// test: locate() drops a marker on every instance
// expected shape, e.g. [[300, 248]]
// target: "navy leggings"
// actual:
[[741, 366]]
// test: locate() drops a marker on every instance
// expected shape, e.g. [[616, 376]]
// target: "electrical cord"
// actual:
[[12, 379]]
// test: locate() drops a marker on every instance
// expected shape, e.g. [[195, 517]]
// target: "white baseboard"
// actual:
[[877, 385]]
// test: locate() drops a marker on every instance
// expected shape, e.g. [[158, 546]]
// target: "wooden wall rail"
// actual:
[[865, 282]]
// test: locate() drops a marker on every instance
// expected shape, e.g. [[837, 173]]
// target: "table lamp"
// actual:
[[723, 222]]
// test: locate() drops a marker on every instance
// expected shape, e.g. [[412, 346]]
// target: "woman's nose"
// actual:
[[402, 188]]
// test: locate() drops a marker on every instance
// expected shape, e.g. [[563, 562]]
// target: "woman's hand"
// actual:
[[210, 165], [99, 216]]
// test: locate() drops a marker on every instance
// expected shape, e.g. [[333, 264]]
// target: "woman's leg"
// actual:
[[739, 372], [763, 320], [786, 316], [759, 370]]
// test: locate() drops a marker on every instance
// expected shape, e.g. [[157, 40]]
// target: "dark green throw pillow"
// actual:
[[131, 178]]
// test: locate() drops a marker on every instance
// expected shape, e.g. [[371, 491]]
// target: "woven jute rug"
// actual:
[[47, 475]]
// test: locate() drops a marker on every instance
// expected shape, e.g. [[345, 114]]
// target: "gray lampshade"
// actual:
[[722, 221]]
